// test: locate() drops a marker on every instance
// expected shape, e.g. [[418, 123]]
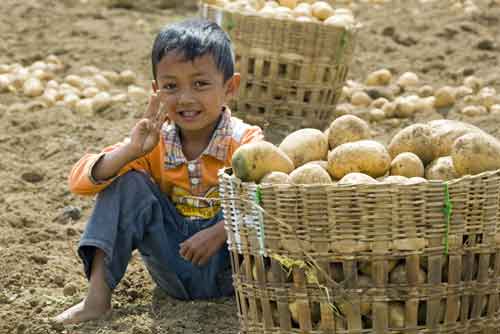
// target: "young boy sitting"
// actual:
[[146, 185]]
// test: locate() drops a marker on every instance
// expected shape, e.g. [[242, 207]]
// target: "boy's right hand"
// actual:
[[146, 133]]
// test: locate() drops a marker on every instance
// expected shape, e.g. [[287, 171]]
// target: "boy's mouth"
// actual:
[[189, 114]]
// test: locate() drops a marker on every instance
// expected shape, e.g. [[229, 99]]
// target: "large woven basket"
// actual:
[[446, 236], [292, 73]]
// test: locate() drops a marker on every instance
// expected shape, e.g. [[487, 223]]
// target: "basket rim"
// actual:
[[224, 173], [354, 29]]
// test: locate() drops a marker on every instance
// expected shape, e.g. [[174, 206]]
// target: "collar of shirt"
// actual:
[[217, 148]]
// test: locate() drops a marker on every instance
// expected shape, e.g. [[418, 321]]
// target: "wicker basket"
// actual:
[[452, 259], [292, 73]]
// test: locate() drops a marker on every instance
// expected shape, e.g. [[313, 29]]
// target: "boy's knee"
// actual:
[[132, 179]]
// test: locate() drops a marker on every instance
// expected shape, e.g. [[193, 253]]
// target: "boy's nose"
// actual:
[[185, 97]]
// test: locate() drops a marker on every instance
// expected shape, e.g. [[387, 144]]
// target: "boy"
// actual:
[[145, 185]]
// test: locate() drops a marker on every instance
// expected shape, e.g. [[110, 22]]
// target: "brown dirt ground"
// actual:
[[38, 250]]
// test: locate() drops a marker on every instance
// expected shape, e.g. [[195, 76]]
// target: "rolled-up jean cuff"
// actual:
[[88, 257]]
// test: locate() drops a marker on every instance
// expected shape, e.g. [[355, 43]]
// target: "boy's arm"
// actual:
[[94, 172]]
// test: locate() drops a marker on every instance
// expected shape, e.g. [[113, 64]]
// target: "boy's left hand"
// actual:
[[203, 245]]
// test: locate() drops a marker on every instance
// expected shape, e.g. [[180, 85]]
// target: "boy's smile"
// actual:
[[193, 92]]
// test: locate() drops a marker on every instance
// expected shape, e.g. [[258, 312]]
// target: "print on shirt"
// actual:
[[192, 208]]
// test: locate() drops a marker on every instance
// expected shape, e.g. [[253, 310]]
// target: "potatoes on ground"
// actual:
[[364, 156], [305, 145], [310, 174], [475, 153], [441, 169], [407, 164], [254, 160], [346, 129], [444, 132], [357, 178], [416, 139], [276, 178]]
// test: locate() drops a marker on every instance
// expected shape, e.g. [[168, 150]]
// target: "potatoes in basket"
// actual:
[[310, 174], [407, 164], [444, 132], [475, 153], [441, 169], [305, 145], [254, 160], [347, 128], [276, 178], [416, 139], [364, 156]]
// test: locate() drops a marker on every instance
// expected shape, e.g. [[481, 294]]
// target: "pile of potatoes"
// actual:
[[301, 11], [398, 276], [382, 97], [88, 91], [346, 154]]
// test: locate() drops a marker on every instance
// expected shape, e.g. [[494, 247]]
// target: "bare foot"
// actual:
[[82, 312]]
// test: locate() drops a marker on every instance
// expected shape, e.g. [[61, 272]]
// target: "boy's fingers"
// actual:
[[153, 106]]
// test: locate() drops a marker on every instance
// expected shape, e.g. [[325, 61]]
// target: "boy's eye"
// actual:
[[200, 84], [169, 86]]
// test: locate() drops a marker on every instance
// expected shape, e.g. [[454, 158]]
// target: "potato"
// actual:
[[364, 156], [399, 275], [416, 139], [310, 174], [33, 87], [394, 179], [441, 169], [416, 180], [360, 99], [407, 164], [379, 78], [322, 163], [288, 3], [444, 132], [364, 282], [445, 97], [346, 129], [396, 315], [314, 309], [365, 267], [408, 79], [305, 145], [276, 178], [254, 160], [357, 178], [475, 153], [322, 10]]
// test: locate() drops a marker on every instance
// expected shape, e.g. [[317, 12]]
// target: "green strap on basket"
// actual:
[[447, 210], [258, 201]]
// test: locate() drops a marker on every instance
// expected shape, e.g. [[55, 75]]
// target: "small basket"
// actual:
[[292, 73], [313, 246]]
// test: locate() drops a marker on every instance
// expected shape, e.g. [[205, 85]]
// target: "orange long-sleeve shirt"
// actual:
[[177, 178]]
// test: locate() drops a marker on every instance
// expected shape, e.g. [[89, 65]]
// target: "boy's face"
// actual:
[[193, 91]]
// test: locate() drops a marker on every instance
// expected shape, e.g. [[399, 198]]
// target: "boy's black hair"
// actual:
[[194, 38]]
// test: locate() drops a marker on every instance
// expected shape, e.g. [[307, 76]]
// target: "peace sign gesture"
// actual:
[[146, 133]]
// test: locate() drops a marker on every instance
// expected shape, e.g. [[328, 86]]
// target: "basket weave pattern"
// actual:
[[346, 227], [292, 73]]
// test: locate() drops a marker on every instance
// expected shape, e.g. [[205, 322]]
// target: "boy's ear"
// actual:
[[232, 86], [154, 85]]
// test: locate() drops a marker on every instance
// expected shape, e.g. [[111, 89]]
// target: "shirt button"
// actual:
[[191, 167], [195, 180]]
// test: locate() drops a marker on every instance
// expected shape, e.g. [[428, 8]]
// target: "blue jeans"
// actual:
[[132, 213]]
